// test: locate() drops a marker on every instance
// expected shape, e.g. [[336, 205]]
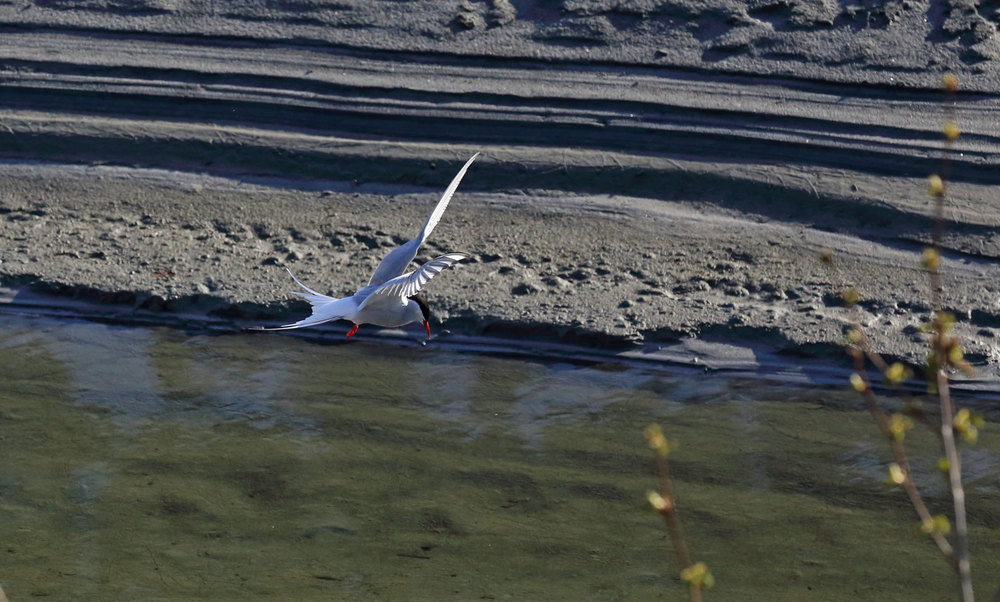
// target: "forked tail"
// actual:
[[324, 308]]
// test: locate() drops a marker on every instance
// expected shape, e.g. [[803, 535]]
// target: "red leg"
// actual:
[[427, 327], [350, 333]]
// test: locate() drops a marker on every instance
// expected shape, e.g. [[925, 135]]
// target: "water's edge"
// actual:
[[823, 365]]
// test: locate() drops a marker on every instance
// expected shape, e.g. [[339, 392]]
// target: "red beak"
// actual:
[[427, 327]]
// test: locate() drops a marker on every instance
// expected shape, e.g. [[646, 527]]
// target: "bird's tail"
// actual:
[[310, 295], [324, 308]]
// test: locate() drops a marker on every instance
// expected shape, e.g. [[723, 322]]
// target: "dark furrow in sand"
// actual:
[[881, 43], [260, 153], [740, 125]]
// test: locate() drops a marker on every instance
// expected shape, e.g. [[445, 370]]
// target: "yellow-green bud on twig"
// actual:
[[950, 131], [950, 82], [931, 260], [955, 354], [858, 383], [898, 425], [938, 524], [896, 474], [698, 576], [658, 502], [657, 442], [944, 321], [967, 425], [897, 373], [935, 186]]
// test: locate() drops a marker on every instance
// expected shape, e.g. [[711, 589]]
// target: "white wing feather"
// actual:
[[396, 262], [409, 284]]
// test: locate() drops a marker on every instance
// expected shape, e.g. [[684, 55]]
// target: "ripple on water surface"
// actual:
[[154, 464]]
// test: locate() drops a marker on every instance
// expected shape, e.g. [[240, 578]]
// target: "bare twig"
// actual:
[[859, 352], [899, 453], [696, 575], [945, 354], [669, 513], [942, 356]]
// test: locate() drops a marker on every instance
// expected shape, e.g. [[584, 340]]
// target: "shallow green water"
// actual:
[[149, 464]]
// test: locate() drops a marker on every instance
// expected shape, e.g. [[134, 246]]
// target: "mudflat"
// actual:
[[652, 172]]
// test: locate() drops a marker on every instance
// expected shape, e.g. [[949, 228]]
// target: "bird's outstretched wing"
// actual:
[[324, 308], [396, 262], [409, 284]]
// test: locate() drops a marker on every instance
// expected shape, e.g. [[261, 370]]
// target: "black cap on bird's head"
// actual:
[[426, 310]]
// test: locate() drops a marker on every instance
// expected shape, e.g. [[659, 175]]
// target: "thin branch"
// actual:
[[860, 350], [665, 504], [670, 513], [941, 361], [957, 491], [899, 453], [944, 355]]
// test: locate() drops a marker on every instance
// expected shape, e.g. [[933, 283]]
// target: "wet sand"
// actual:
[[653, 174]]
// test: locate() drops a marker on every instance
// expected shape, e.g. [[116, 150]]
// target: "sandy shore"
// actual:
[[662, 173]]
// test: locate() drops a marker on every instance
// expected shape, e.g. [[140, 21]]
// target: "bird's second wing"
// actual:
[[409, 284], [435, 216], [396, 262]]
